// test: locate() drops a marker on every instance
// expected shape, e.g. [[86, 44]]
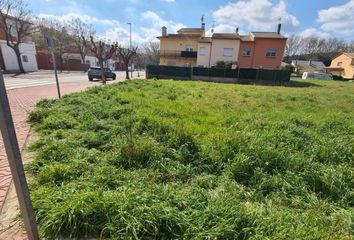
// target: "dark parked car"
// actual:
[[95, 73]]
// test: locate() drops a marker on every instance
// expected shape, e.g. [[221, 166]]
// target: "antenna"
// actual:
[[212, 28]]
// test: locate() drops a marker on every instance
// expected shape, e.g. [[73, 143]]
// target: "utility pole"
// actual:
[[50, 44], [15, 161], [130, 48]]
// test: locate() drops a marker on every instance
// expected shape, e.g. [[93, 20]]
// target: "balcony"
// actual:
[[177, 54]]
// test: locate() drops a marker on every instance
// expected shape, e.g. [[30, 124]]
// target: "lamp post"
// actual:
[[130, 47]]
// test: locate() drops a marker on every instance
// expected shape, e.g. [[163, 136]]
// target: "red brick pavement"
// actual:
[[22, 101]]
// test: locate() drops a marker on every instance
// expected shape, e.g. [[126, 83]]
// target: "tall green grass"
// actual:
[[192, 160]]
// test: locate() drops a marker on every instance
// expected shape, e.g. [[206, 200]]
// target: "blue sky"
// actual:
[[326, 18]]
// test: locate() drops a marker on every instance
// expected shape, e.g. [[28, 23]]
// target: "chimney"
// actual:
[[203, 23], [237, 30], [279, 28], [164, 31]]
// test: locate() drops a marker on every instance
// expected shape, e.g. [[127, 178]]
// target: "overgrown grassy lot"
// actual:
[[162, 159]]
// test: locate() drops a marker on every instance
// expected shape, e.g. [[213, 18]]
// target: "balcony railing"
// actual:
[[176, 54]]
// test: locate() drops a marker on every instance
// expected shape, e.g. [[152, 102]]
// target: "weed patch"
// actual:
[[193, 160]]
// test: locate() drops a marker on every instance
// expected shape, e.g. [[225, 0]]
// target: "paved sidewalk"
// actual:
[[22, 101]]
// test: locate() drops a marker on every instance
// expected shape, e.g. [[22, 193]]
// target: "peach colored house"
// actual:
[[219, 47], [342, 65]]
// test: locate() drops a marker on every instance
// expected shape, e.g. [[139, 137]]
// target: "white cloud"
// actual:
[[157, 23], [115, 31], [255, 15], [85, 18], [338, 19], [314, 32], [154, 18]]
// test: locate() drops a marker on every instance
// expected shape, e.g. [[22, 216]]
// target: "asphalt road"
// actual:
[[45, 77]]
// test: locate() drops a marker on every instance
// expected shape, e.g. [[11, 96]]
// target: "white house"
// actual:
[[28, 57], [8, 59]]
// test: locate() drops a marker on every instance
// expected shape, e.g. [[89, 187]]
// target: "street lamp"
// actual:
[[130, 47], [130, 28]]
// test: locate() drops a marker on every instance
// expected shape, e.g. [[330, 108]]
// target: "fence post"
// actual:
[[15, 161], [238, 73], [275, 77]]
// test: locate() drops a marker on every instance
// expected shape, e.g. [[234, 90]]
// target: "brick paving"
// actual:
[[22, 101]]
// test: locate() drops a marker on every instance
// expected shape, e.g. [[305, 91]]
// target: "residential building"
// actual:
[[220, 47], [342, 65], [301, 66], [180, 49], [262, 50], [190, 47], [8, 58]]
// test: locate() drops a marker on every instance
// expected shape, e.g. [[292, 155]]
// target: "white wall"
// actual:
[[203, 60], [10, 59], [93, 61], [217, 50]]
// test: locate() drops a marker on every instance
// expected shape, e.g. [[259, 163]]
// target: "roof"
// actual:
[[205, 40], [267, 35], [334, 68], [226, 36], [351, 55], [246, 38], [307, 64], [180, 36], [190, 29]]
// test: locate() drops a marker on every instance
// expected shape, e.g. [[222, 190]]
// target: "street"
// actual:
[[46, 77]]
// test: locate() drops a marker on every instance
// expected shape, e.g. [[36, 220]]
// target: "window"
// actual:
[[202, 51], [24, 58], [189, 48], [228, 52], [188, 65], [171, 63], [272, 52], [246, 51], [339, 64]]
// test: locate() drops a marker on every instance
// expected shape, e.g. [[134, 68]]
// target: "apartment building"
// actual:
[[190, 47], [180, 49]]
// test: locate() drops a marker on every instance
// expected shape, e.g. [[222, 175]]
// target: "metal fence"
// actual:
[[242, 75]]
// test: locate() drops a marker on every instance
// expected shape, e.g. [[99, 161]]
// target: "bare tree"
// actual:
[[293, 45], [82, 32], [103, 51], [152, 53], [127, 54], [350, 47], [59, 31], [311, 46], [15, 21]]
